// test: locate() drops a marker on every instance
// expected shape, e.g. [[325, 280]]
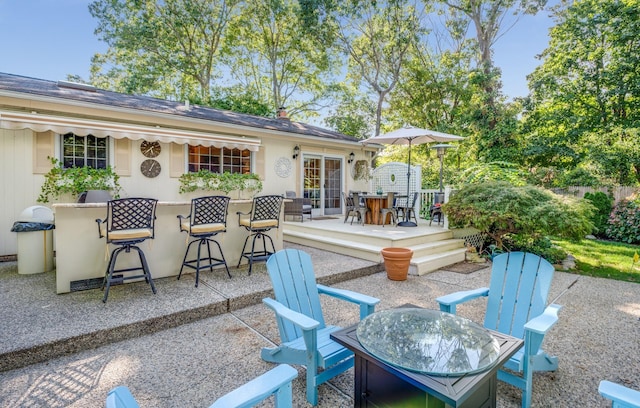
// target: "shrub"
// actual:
[[624, 222], [540, 246], [499, 208], [603, 205]]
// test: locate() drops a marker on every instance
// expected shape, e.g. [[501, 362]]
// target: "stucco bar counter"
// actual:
[[81, 256]]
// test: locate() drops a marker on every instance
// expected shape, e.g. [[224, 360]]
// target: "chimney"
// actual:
[[282, 113]]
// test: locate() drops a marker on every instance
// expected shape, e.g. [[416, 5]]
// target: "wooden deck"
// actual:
[[433, 246]]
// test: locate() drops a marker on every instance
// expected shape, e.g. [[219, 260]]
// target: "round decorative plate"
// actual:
[[283, 167]]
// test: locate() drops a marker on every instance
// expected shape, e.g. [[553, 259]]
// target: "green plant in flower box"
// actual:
[[204, 180], [76, 180]]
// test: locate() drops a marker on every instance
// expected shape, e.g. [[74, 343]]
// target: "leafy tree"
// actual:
[[354, 115], [494, 171], [434, 88], [237, 99], [168, 49], [270, 56], [495, 126], [585, 98], [377, 37], [500, 208]]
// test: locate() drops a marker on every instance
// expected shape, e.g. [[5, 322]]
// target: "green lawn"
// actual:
[[605, 259]]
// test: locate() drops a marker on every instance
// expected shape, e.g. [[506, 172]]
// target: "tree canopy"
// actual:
[[585, 96], [372, 66]]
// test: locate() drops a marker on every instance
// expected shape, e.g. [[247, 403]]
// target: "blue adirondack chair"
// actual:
[[516, 305], [620, 396], [276, 381], [303, 333]]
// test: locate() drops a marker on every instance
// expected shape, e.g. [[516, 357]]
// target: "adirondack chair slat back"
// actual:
[[518, 291], [294, 285]]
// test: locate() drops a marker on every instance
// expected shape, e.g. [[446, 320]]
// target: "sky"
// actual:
[[50, 39]]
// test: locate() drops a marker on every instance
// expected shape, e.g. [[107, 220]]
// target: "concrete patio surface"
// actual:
[[186, 346]]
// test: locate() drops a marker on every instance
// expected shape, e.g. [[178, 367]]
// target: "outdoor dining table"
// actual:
[[374, 203], [415, 357]]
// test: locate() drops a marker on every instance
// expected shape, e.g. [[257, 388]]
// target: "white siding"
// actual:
[[19, 187]]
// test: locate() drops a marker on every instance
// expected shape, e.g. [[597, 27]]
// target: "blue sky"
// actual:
[[50, 39]]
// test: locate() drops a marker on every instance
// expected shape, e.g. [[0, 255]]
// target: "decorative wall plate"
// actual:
[[283, 167]]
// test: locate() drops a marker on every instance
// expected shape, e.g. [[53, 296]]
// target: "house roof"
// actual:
[[83, 93]]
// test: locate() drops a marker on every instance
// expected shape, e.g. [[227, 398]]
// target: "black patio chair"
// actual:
[[436, 210], [207, 219], [129, 222], [407, 208], [264, 216]]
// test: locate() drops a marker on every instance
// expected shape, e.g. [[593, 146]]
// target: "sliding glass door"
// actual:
[[323, 183]]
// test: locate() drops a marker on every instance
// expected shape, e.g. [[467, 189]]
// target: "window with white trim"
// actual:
[[79, 151], [219, 160]]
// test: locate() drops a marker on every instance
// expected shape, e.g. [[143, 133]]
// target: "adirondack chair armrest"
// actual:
[[300, 320], [620, 394], [348, 295], [367, 303], [541, 324], [121, 397], [259, 388], [448, 302]]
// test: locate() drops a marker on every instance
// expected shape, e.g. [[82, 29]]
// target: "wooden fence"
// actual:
[[619, 193]]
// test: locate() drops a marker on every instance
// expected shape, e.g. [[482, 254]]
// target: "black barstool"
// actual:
[[264, 215], [129, 221], [207, 219]]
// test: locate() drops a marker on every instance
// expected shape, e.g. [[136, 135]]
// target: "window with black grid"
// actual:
[[79, 151]]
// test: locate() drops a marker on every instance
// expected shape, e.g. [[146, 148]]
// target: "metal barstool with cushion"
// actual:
[[129, 221], [207, 219], [264, 215]]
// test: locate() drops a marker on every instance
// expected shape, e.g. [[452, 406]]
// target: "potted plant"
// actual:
[[204, 180], [77, 180], [396, 262]]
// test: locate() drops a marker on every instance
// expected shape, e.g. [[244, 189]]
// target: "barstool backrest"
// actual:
[[266, 207], [131, 214], [209, 210]]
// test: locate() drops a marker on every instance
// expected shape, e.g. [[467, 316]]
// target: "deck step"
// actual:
[[427, 256]]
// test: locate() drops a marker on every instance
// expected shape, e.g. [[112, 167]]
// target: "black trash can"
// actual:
[[35, 240]]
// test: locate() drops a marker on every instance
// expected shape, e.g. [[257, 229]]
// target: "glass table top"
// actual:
[[428, 341]]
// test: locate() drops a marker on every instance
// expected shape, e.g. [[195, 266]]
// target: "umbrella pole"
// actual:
[[406, 222]]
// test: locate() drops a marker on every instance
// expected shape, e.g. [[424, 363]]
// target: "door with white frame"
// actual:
[[323, 181]]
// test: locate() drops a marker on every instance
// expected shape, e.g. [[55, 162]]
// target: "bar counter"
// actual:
[[82, 256]]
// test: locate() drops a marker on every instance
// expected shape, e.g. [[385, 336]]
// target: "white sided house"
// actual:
[[80, 124]]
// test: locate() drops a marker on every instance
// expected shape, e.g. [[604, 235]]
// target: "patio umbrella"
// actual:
[[408, 136]]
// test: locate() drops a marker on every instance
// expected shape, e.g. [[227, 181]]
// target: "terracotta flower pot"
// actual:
[[396, 262]]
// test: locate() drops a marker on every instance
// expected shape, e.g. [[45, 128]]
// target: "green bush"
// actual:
[[603, 204], [540, 246], [624, 223], [499, 208]]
